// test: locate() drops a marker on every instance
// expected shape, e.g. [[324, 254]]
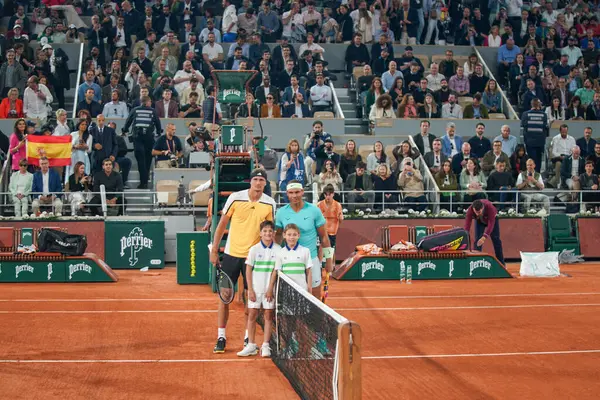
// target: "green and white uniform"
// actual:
[[262, 260], [294, 262]]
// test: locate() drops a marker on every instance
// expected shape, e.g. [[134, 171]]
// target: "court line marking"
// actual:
[[217, 360], [337, 309], [470, 296], [253, 359], [467, 307], [466, 355]]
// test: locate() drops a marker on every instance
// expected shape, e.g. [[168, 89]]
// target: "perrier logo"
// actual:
[[135, 242], [231, 94]]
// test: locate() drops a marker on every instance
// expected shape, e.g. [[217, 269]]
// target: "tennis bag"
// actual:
[[53, 241], [452, 239]]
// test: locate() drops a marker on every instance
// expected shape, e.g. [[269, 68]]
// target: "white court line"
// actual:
[[329, 298], [468, 296], [236, 360], [216, 360], [467, 307], [524, 353], [337, 309]]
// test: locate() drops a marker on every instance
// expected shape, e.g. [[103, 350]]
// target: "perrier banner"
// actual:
[[232, 85], [135, 244]]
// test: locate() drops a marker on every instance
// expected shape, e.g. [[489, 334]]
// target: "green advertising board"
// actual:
[[380, 268], [70, 270], [192, 258], [232, 135], [135, 244]]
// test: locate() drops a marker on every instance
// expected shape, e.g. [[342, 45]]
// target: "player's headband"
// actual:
[[293, 186]]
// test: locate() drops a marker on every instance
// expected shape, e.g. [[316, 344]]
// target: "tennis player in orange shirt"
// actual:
[[332, 211]]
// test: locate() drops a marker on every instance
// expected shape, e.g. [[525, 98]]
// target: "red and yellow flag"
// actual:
[[56, 148]]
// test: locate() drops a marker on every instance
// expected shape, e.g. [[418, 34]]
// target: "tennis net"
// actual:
[[315, 347]]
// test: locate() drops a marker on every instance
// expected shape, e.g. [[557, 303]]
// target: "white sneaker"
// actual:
[[250, 349], [265, 350]]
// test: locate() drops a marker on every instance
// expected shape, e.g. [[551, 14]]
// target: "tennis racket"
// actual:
[[225, 286], [325, 287]]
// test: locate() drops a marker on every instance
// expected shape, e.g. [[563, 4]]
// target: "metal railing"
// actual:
[[78, 81], [428, 179], [336, 103]]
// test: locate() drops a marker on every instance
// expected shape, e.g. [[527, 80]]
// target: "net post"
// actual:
[[349, 353]]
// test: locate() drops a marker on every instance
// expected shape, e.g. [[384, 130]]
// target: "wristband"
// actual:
[[328, 252]]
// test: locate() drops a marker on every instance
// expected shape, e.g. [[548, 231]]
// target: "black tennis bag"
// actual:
[[452, 239], [53, 241]]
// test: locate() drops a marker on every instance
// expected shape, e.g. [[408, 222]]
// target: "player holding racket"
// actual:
[[244, 211]]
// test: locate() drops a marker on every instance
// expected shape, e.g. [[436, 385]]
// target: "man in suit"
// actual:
[[409, 24], [572, 167], [285, 76], [133, 18], [120, 38], [435, 158], [263, 90], [104, 143], [459, 161], [424, 140], [290, 91], [531, 94], [189, 11], [166, 107], [47, 188], [166, 21], [233, 62], [95, 36], [297, 109], [56, 69], [113, 85]]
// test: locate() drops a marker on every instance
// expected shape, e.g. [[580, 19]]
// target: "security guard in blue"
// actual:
[[144, 120]]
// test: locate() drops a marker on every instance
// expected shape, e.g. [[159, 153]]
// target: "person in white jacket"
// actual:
[[20, 189], [36, 99], [382, 109]]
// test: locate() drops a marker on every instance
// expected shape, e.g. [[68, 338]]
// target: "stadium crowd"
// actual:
[[160, 56]]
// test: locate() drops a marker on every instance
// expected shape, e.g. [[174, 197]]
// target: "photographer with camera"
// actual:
[[312, 142], [410, 181], [144, 120], [167, 149]]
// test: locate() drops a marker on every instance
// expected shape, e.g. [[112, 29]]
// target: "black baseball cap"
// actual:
[[260, 173]]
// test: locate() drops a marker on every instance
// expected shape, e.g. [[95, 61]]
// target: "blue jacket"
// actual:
[[288, 95], [535, 128], [292, 172], [447, 146], [54, 184]]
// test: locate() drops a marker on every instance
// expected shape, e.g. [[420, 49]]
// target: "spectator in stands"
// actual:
[[383, 43], [592, 112], [447, 183], [397, 92], [212, 53], [509, 142], [81, 141], [249, 109], [420, 92], [572, 51], [18, 143], [193, 109], [459, 161], [376, 158], [491, 158], [88, 103], [77, 184], [586, 93], [586, 144], [384, 183], [383, 109], [408, 107], [270, 109], [194, 87], [89, 83], [478, 81], [473, 182], [388, 78], [268, 23], [555, 112], [46, 188], [329, 176], [298, 109], [412, 77], [589, 184], [366, 80], [113, 183], [452, 110], [476, 109], [312, 142], [266, 89], [112, 86], [359, 187], [480, 145], [535, 130], [402, 151], [291, 166], [168, 149], [167, 107], [572, 168], [316, 50], [229, 22], [373, 93], [143, 63], [290, 91], [410, 181], [349, 159], [20, 188], [529, 182], [104, 143], [11, 106], [435, 158], [166, 21], [518, 161], [424, 139], [36, 99], [434, 79], [326, 152], [443, 94], [575, 110], [169, 60], [459, 83], [448, 65], [116, 108], [410, 25], [561, 148], [166, 83], [501, 181], [507, 53], [183, 77], [470, 65], [357, 54], [321, 95], [492, 98], [451, 142]]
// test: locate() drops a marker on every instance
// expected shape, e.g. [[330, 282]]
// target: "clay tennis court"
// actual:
[[147, 337]]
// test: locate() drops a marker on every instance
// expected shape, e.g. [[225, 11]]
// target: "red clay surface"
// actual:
[[146, 337]]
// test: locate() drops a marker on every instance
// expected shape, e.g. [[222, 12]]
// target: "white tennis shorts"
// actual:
[[261, 301], [316, 272]]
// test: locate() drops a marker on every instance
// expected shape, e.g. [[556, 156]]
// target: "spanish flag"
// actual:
[[56, 148]]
